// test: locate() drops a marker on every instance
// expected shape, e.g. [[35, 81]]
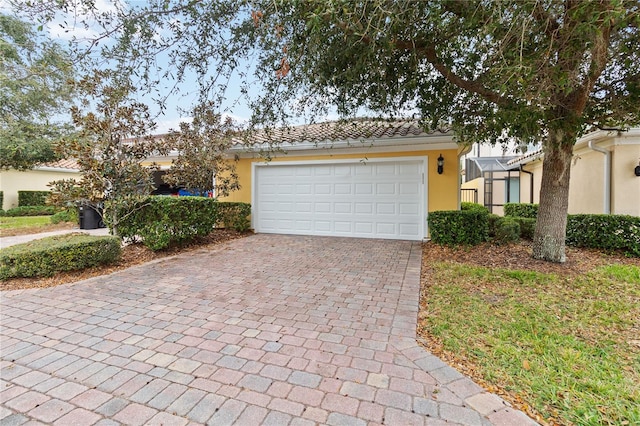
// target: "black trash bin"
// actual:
[[90, 217]]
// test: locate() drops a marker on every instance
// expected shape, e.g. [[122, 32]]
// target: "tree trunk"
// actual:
[[551, 226]]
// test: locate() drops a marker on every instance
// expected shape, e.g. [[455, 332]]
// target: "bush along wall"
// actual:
[[30, 211], [458, 227], [46, 256], [521, 210], [605, 231], [234, 216], [162, 222], [32, 198]]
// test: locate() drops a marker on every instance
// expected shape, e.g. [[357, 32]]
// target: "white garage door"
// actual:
[[372, 199]]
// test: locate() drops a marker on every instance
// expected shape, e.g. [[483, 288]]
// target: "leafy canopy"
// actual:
[[34, 72]]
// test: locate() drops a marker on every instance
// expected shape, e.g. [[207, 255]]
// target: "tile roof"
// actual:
[[523, 159], [358, 129], [70, 164]]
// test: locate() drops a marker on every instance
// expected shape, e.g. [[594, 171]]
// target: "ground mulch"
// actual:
[[508, 256], [132, 254]]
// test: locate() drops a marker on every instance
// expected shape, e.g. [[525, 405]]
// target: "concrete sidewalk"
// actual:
[[267, 329], [19, 239]]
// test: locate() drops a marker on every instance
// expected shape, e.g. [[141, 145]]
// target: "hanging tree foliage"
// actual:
[[542, 71]]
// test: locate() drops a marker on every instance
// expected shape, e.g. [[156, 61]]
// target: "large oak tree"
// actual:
[[542, 71]]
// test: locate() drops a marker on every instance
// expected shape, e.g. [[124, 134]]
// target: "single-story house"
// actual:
[[603, 175], [37, 179], [364, 178]]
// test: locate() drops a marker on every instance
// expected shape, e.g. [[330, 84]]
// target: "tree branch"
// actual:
[[474, 86]]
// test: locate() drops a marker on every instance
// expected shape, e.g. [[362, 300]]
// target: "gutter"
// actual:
[[607, 175], [522, 170]]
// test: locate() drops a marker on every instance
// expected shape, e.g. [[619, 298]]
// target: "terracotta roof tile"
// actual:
[[70, 164], [339, 131]]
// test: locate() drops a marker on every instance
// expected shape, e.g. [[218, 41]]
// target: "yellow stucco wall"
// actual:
[[12, 181], [442, 189]]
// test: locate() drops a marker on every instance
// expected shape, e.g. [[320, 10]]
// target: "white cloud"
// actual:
[[164, 126]]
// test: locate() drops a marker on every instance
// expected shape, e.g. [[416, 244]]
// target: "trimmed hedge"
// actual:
[[46, 256], [69, 215], [527, 227], [32, 198], [473, 206], [458, 227], [507, 230], [605, 231], [521, 210], [234, 215], [30, 211], [162, 222]]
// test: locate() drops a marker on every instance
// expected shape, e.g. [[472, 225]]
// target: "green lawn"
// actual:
[[24, 221], [569, 346]]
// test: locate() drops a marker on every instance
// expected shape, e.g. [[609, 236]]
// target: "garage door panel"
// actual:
[[344, 208], [385, 189], [343, 189], [376, 199], [385, 208], [364, 189]]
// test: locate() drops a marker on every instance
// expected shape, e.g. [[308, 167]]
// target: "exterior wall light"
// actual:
[[440, 164], [637, 170]]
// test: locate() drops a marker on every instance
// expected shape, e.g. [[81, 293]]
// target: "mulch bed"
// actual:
[[132, 254]]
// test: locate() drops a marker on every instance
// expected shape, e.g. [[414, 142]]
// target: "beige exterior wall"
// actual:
[[587, 184], [12, 181], [586, 187], [477, 184], [625, 184]]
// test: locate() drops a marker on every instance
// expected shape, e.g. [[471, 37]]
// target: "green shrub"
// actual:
[[456, 227], [473, 206], [32, 198], [521, 210], [69, 215], [527, 227], [492, 223], [46, 256], [30, 211], [166, 221], [605, 231], [234, 215], [507, 230]]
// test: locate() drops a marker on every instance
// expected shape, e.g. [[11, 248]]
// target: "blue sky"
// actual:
[[235, 106]]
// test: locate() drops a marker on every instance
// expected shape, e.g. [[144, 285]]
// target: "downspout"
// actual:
[[465, 150], [607, 175], [522, 170]]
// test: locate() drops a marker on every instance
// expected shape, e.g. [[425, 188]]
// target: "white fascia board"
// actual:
[[55, 169], [353, 146]]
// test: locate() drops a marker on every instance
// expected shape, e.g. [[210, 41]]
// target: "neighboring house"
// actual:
[[603, 177], [361, 179], [492, 182], [36, 179]]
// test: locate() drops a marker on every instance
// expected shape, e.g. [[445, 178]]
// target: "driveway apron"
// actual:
[[268, 329]]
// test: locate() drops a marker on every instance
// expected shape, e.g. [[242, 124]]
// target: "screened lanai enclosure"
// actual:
[[494, 181]]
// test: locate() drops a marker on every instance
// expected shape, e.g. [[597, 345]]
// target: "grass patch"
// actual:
[[566, 345], [24, 221]]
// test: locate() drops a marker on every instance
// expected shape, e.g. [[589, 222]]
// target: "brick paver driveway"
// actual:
[[269, 329]]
